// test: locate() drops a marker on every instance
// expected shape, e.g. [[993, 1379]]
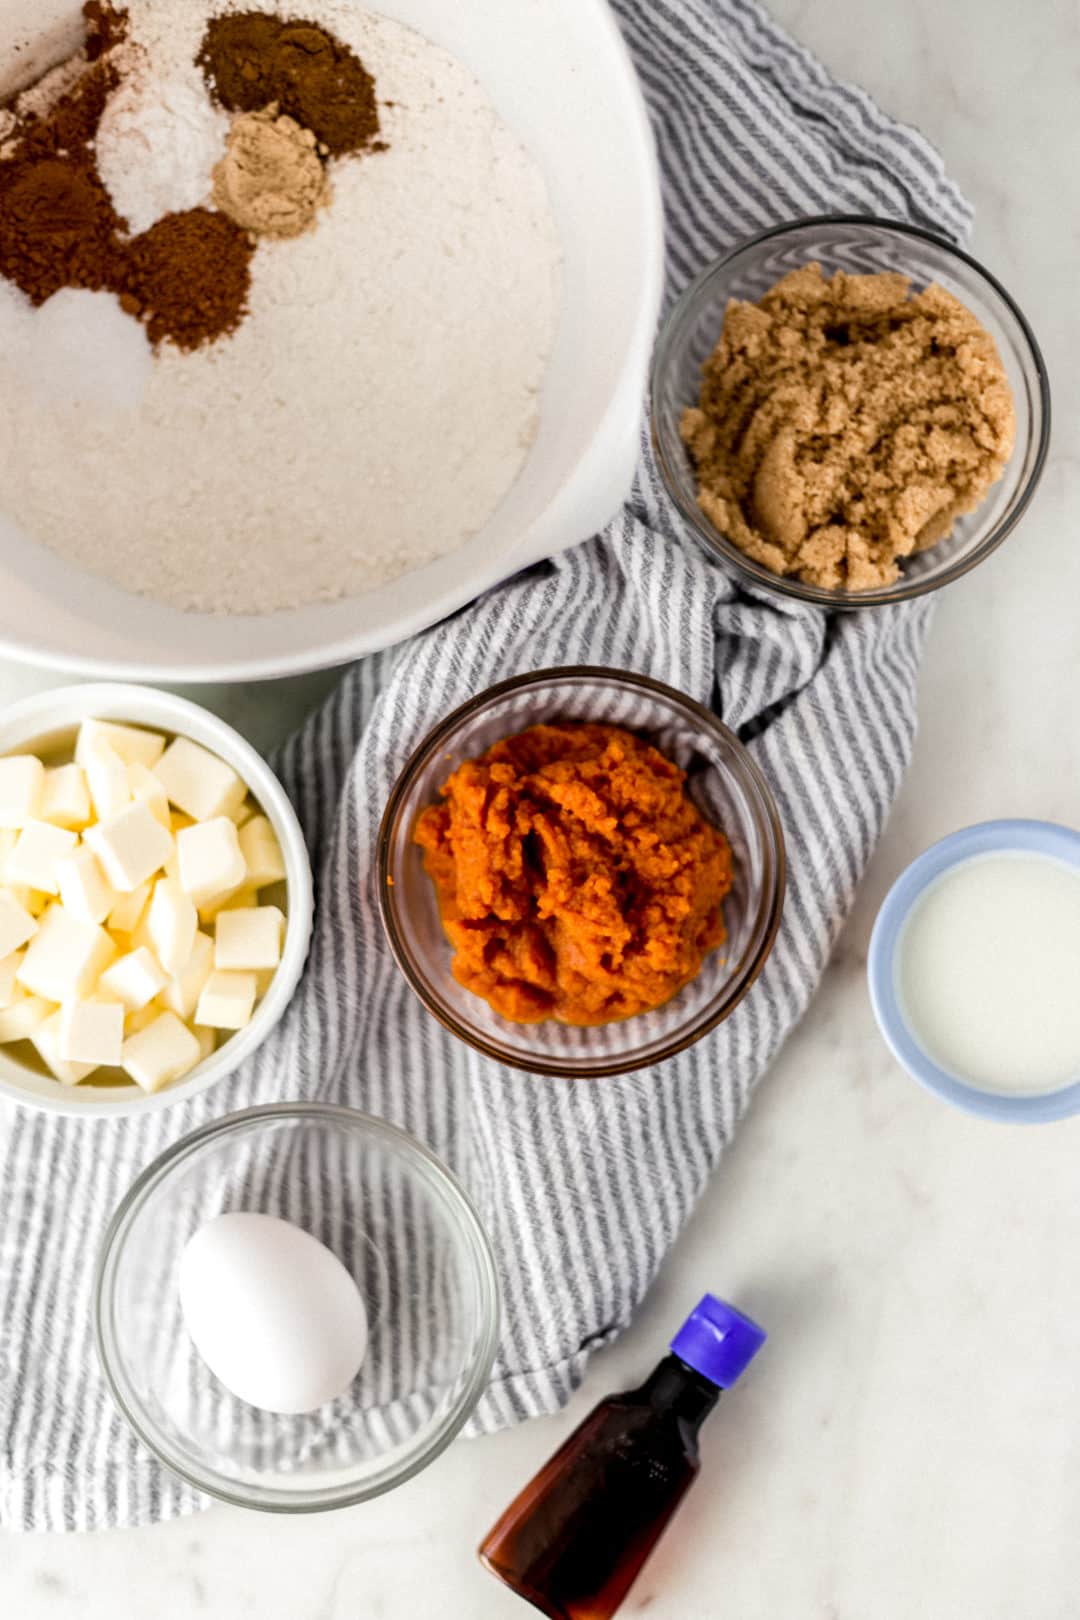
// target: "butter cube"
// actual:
[[46, 1037], [9, 966], [91, 1032], [146, 789], [161, 1052], [126, 914], [31, 900], [197, 782], [39, 850], [142, 1018], [207, 1039], [227, 1001], [66, 957], [16, 924], [181, 994], [9, 837], [236, 900], [22, 787], [134, 979], [107, 779], [261, 852], [249, 939], [131, 743], [211, 864], [242, 813], [66, 799], [19, 1020], [171, 924], [84, 888], [131, 846]]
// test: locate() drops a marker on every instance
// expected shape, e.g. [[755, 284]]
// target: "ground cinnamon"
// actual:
[[187, 278], [251, 59]]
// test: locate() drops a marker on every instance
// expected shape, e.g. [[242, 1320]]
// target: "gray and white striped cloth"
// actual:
[[583, 1187]]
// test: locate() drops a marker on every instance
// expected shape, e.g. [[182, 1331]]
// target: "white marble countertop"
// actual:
[[904, 1447]]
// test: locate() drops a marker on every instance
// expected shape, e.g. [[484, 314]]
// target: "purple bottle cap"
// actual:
[[718, 1341]]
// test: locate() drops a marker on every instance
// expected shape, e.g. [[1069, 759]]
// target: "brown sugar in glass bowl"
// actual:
[[856, 246], [726, 791]]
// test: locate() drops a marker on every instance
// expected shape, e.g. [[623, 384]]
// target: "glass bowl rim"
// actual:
[[770, 909], [476, 1241], [786, 584]]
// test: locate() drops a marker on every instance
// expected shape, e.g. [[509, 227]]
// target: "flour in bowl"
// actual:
[[380, 397]]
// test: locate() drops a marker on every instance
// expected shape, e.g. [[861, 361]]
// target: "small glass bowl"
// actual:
[[723, 781], [400, 1224], [857, 245]]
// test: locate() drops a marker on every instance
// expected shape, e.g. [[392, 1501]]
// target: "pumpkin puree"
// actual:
[[576, 880]]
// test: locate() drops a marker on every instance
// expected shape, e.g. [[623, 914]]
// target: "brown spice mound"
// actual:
[[845, 423], [251, 59], [188, 278], [576, 879]]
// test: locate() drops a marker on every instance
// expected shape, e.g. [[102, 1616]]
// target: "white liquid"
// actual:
[[988, 973]]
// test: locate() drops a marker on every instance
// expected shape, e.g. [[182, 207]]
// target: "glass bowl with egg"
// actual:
[[155, 900], [296, 1307], [527, 1019], [872, 460]]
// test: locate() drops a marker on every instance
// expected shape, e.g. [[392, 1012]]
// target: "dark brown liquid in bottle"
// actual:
[[576, 1537]]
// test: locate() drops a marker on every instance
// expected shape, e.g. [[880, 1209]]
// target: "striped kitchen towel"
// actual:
[[583, 1187]]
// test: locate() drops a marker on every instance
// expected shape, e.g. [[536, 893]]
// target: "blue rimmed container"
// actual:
[[1043, 838]]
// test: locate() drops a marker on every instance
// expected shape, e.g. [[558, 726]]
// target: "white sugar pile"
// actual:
[[378, 401]]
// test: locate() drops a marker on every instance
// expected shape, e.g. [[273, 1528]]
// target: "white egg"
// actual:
[[273, 1313]]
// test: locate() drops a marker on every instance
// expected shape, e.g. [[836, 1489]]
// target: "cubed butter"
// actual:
[[91, 1031], [146, 789], [236, 900], [22, 787], [46, 1037], [134, 979], [9, 966], [227, 1001], [16, 924], [243, 812], [197, 782], [66, 957], [142, 1018], [171, 924], [66, 799], [207, 1039], [211, 864], [23, 1015], [38, 851], [131, 846], [160, 1053], [126, 915], [84, 889], [262, 852], [131, 743], [181, 994], [107, 779], [249, 939]]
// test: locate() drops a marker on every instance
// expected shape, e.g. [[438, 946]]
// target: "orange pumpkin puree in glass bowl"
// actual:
[[576, 879]]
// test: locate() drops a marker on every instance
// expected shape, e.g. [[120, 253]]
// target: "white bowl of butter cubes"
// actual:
[[155, 900]]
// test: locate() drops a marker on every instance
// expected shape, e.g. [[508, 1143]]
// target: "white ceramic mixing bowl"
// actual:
[[561, 76]]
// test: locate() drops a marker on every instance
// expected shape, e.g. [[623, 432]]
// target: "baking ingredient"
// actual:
[[575, 1538], [576, 879], [125, 931], [379, 399], [187, 277], [271, 179], [987, 967], [272, 1311], [253, 58], [845, 423], [158, 140], [78, 352]]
